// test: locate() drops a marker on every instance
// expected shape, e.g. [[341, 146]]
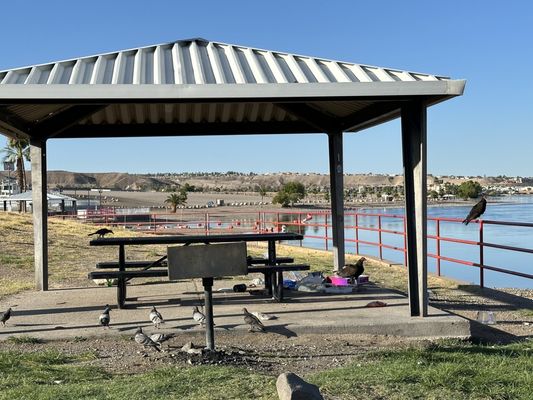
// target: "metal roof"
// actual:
[[198, 62], [201, 87], [27, 196]]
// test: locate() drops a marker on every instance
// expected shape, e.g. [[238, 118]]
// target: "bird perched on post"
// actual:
[[5, 316], [255, 324], [198, 316], [105, 319], [476, 211], [101, 232], [141, 338], [156, 317], [353, 270]]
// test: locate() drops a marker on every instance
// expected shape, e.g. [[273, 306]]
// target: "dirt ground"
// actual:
[[267, 353]]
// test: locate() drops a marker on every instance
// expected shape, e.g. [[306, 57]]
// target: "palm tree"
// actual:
[[176, 199], [17, 151]]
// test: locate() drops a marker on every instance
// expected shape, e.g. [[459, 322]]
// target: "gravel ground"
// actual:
[[261, 352]]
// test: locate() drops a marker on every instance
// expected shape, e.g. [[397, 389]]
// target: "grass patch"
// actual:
[[446, 370], [51, 375], [24, 339]]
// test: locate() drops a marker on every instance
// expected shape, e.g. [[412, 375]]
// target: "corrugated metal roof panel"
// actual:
[[199, 61]]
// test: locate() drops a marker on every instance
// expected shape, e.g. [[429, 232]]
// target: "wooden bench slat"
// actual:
[[129, 264], [149, 273], [279, 267], [260, 260]]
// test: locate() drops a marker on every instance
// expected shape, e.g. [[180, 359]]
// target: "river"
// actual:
[[509, 209]]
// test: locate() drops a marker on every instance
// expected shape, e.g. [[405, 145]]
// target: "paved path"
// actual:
[[68, 313]]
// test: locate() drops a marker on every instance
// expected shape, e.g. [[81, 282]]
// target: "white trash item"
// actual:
[[486, 317], [338, 289]]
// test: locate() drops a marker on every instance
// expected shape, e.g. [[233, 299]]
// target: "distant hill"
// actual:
[[233, 181]]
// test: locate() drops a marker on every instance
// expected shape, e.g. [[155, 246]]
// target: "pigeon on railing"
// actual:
[[476, 211], [5, 316], [255, 324], [101, 232], [156, 317], [105, 319], [144, 340], [198, 316]]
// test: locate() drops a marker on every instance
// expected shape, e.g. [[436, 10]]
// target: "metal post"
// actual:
[[415, 182], [356, 234], [337, 198], [40, 212], [326, 230], [207, 223], [481, 258], [209, 326], [404, 242], [438, 247], [379, 236]]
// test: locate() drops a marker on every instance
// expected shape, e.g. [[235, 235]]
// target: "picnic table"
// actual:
[[272, 268]]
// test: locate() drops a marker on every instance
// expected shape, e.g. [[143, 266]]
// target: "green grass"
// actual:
[[448, 370], [53, 375], [24, 339], [445, 370]]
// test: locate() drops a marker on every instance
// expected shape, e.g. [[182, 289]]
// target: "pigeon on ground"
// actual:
[[159, 338], [105, 319], [156, 317], [5, 316], [353, 270], [198, 316], [101, 232], [141, 338], [476, 211], [255, 324]]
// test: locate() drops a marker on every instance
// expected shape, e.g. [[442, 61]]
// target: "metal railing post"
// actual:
[[207, 223], [438, 247], [326, 229], [356, 233], [404, 242], [379, 236], [481, 258]]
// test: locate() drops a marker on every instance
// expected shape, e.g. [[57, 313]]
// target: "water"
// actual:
[[509, 209]]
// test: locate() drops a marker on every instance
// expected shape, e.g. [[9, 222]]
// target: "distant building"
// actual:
[[9, 187]]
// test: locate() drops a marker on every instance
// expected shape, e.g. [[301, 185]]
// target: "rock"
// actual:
[[291, 387]]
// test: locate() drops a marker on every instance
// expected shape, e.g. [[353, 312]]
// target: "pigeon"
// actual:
[[198, 316], [5, 316], [105, 319], [141, 338], [101, 232], [254, 322], [159, 338], [156, 317], [476, 211], [353, 270]]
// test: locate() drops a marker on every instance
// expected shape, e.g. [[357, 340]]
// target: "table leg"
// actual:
[[121, 284], [279, 292]]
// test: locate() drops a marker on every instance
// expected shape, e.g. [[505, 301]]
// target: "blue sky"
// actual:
[[488, 131]]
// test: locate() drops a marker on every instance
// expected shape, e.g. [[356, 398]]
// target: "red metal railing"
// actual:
[[209, 222]]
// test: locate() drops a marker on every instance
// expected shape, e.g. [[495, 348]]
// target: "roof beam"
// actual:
[[371, 115], [313, 117], [56, 124], [185, 129], [14, 124]]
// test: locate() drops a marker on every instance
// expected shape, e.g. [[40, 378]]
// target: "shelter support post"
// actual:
[[209, 325], [336, 172], [40, 212], [415, 187]]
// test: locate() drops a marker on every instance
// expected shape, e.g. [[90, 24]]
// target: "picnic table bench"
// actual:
[[142, 269]]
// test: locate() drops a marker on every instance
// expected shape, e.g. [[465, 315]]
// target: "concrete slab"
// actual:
[[67, 313]]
